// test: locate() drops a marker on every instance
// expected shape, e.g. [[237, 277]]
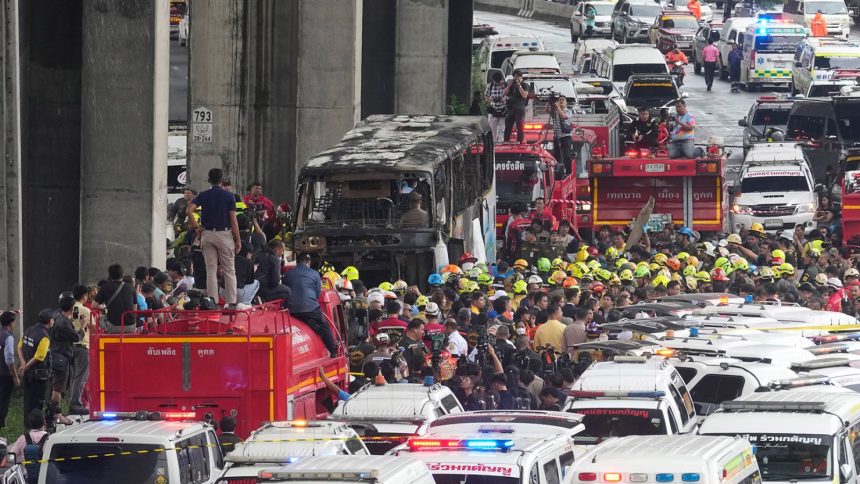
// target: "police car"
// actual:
[[631, 395], [332, 469], [775, 188], [668, 458], [504, 447], [157, 447], [803, 435], [394, 411], [277, 443]]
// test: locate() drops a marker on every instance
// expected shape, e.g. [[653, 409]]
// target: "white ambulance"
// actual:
[[378, 469], [805, 436], [822, 58], [668, 458], [631, 395], [498, 447], [768, 53]]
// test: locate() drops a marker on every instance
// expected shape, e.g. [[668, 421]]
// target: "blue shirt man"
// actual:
[[305, 286]]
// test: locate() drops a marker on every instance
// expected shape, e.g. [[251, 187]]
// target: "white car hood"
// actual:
[[774, 198]]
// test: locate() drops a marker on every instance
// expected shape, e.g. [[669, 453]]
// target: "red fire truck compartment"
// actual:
[[851, 208], [691, 191], [258, 365]]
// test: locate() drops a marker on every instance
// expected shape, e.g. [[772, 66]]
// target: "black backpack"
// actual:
[[32, 456]]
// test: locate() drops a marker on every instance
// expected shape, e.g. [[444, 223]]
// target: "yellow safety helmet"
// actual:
[[399, 286], [691, 282], [582, 254], [611, 253], [786, 268], [758, 228], [690, 271], [614, 280], [682, 256], [676, 277], [559, 263], [660, 280], [741, 264], [422, 301], [385, 286], [520, 287], [659, 258], [654, 266], [603, 275], [626, 275], [777, 254], [521, 264], [593, 265], [703, 276], [620, 262], [350, 273]]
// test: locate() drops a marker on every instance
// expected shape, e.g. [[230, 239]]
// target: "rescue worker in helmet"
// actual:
[[642, 133]]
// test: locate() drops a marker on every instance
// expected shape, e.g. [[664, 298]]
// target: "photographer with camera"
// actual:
[[560, 116], [683, 132], [518, 99], [63, 338]]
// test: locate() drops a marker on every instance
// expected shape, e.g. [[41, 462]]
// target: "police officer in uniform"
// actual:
[[35, 365]]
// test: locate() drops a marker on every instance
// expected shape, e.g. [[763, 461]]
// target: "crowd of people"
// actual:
[[495, 332]]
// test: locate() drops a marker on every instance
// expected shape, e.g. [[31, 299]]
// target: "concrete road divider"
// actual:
[[549, 11]]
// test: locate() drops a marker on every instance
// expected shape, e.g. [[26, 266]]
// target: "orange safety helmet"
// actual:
[[451, 268]]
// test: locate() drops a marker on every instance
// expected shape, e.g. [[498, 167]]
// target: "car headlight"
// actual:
[[804, 208], [741, 209]]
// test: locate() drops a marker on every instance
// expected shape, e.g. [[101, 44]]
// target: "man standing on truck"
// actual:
[[682, 136], [305, 286], [494, 95], [518, 99], [218, 221]]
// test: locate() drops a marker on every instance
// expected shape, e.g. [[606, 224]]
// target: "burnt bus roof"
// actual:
[[398, 143]]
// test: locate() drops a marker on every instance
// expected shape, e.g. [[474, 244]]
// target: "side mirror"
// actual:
[[798, 64], [845, 472], [685, 95], [743, 122], [731, 190]]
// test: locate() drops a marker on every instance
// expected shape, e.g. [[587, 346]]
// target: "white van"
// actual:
[[734, 31], [775, 188], [631, 395], [380, 469], [496, 48], [531, 62], [133, 450], [768, 53], [789, 317], [799, 436], [835, 13], [584, 50], [498, 447], [619, 62], [397, 411], [668, 458]]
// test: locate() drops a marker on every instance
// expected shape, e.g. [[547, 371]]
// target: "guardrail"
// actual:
[[539, 9]]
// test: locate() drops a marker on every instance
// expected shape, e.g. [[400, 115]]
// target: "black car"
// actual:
[[828, 128], [654, 91]]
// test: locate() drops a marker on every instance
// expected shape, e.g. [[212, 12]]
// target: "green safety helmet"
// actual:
[[544, 265]]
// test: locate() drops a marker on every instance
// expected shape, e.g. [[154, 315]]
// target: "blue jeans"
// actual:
[[682, 149]]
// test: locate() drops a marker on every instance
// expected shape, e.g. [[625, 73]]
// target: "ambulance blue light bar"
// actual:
[[425, 443]]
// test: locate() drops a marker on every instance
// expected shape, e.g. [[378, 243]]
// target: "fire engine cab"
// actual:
[[257, 365], [687, 191]]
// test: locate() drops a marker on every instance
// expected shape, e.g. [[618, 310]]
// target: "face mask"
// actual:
[[521, 330]]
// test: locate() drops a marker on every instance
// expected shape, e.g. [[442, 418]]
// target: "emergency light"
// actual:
[[616, 394], [639, 477], [470, 444], [532, 126], [829, 348], [612, 477], [832, 338]]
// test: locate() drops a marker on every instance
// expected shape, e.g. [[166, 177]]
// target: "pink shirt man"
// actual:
[[710, 53]]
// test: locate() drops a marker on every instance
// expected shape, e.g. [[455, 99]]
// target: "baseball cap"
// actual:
[[45, 315], [498, 295], [431, 309]]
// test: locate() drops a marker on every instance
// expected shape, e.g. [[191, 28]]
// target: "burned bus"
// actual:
[[400, 196]]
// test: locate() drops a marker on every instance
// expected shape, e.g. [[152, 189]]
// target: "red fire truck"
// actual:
[[258, 365], [686, 191], [851, 202]]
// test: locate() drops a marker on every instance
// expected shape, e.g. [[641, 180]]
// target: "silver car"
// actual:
[[602, 20], [632, 19]]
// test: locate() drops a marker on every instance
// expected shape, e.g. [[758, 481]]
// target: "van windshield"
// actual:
[[827, 8], [498, 57], [602, 423], [760, 184], [848, 120], [621, 72], [517, 179], [777, 43], [785, 457], [136, 463], [771, 117], [824, 62]]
